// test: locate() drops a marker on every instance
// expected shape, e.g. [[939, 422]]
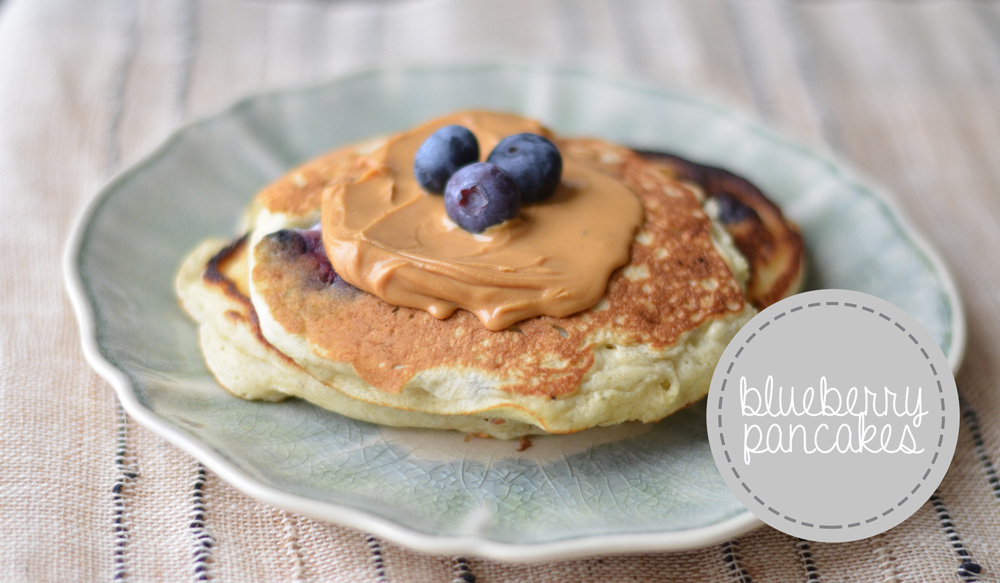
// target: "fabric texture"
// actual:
[[905, 91]]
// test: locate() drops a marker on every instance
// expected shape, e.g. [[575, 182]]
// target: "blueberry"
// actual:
[[532, 161], [302, 245], [442, 154], [314, 242], [481, 195], [289, 242], [731, 210]]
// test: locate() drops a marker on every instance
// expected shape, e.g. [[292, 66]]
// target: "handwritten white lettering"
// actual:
[[883, 421]]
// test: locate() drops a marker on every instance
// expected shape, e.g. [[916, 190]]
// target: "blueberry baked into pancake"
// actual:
[[482, 274]]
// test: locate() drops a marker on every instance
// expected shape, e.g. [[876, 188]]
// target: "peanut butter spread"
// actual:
[[674, 282], [385, 235]]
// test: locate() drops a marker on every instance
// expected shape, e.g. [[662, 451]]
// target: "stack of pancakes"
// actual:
[[276, 320]]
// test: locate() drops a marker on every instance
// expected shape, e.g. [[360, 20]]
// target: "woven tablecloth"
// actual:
[[909, 92]]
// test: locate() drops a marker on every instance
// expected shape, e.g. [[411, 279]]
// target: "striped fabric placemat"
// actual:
[[909, 92]]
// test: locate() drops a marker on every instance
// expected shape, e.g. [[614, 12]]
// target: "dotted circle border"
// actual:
[[891, 509]]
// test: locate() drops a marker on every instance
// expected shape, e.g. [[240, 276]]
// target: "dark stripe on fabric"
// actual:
[[748, 57], [804, 549], [126, 472], [202, 538], [968, 569], [130, 44], [731, 558], [989, 469], [124, 466], [805, 60], [377, 561], [463, 571]]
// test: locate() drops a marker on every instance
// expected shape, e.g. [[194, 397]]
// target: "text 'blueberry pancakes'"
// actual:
[[481, 274]]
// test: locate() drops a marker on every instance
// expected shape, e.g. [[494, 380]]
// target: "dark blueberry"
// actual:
[[481, 195], [731, 210], [442, 154], [289, 242], [532, 161], [302, 245], [314, 242], [313, 239]]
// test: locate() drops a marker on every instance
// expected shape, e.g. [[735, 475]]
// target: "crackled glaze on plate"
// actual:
[[629, 488]]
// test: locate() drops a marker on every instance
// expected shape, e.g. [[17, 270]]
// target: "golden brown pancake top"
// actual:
[[300, 191], [674, 282], [771, 244]]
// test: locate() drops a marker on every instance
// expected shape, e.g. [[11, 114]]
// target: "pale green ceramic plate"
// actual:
[[632, 488]]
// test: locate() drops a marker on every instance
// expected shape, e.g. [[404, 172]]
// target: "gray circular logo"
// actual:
[[833, 415]]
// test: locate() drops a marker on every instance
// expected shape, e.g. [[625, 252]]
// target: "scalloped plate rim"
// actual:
[[473, 545]]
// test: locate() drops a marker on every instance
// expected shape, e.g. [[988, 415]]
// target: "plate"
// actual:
[[624, 489]]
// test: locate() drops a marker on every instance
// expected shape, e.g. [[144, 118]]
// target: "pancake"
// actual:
[[276, 320], [772, 245]]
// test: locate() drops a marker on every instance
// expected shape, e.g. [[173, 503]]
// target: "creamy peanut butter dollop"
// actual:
[[386, 235]]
